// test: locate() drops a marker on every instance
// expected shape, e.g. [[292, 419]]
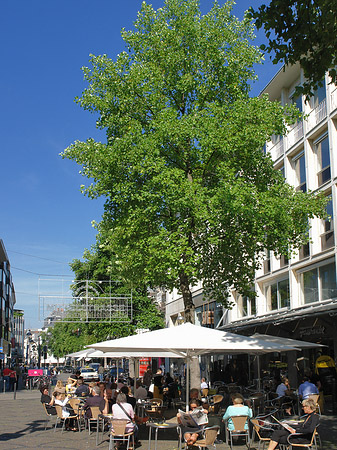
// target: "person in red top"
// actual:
[[10, 377]]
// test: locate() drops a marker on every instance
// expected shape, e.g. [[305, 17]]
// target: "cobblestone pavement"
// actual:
[[22, 423]]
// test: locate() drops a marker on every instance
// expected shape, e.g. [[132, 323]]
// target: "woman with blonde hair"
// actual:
[[60, 387]]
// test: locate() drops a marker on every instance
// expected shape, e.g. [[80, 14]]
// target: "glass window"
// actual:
[[319, 284], [297, 101], [323, 160], [246, 306], [300, 174], [319, 95], [328, 281], [327, 236], [278, 295]]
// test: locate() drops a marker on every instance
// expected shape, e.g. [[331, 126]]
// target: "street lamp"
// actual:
[[180, 319]]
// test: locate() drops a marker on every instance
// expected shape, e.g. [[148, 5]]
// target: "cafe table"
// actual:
[[162, 426]]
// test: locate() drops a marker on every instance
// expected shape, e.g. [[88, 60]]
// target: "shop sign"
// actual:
[[278, 365], [143, 364], [309, 331]]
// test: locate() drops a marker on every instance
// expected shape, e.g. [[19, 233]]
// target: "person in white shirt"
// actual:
[[123, 410], [203, 385]]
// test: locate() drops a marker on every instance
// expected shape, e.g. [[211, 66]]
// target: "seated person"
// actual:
[[307, 388], [70, 386], [62, 400], [237, 409], [82, 389], [123, 410], [59, 387], [194, 394], [129, 398], [46, 399], [284, 393], [305, 428], [109, 401], [191, 435], [95, 400], [101, 385], [141, 392]]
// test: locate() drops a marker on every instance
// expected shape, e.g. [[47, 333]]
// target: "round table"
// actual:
[[162, 426]]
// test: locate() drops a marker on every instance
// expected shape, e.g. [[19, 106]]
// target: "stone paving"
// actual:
[[22, 423]]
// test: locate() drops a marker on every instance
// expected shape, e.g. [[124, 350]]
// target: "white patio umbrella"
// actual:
[[287, 341], [190, 341]]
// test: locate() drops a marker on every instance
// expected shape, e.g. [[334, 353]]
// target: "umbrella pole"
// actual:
[[187, 386], [135, 378], [258, 373]]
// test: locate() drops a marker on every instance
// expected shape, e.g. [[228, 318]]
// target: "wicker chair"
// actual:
[[118, 433]]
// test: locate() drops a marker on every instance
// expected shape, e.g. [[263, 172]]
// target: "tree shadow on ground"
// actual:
[[32, 427]]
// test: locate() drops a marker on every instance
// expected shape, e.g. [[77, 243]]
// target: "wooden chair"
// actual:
[[204, 392], [118, 433], [312, 445], [209, 438], [95, 412], [48, 414], [256, 431], [60, 418], [239, 423], [77, 406]]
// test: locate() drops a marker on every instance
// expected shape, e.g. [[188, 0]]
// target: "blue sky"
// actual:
[[45, 220]]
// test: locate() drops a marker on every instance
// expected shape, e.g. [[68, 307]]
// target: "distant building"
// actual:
[[7, 302], [19, 335]]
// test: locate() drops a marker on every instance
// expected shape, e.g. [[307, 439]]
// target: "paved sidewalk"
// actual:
[[22, 424]]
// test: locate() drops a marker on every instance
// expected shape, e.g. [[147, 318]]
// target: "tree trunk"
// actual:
[[189, 317]]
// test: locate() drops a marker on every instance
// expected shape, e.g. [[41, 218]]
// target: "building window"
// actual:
[[319, 284], [278, 295], [297, 101], [323, 160], [327, 236], [209, 314], [266, 262], [319, 95], [300, 174], [246, 306]]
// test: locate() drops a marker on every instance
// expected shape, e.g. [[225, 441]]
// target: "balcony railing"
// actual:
[[333, 99], [317, 115], [277, 150], [295, 134]]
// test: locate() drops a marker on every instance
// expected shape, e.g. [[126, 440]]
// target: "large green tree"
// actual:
[[304, 31], [189, 193]]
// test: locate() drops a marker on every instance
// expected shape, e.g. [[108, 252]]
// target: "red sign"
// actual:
[[35, 372], [143, 363]]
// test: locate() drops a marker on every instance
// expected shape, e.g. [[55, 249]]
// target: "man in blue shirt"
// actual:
[[307, 388]]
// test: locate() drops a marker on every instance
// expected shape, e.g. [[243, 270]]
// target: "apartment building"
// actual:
[[296, 297], [7, 302]]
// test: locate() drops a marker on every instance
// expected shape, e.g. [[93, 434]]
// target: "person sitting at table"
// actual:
[[141, 392], [70, 386], [285, 394], [237, 409], [101, 386], [307, 388], [60, 387], [95, 400], [109, 401], [67, 410], [305, 428], [82, 389], [129, 398], [123, 410], [46, 399], [190, 435]]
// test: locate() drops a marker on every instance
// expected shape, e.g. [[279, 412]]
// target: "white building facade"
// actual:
[[296, 298]]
